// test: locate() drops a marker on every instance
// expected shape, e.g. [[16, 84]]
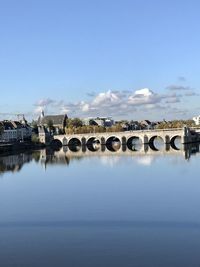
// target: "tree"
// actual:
[[175, 124], [35, 139], [74, 123]]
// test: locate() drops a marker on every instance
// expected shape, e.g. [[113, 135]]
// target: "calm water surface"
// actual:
[[99, 209]]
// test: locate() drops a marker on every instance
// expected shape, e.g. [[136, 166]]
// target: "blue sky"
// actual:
[[128, 59]]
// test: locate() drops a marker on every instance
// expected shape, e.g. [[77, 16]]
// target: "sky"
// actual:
[[129, 59]]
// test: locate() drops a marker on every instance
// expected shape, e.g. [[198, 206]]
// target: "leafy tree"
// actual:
[[75, 126], [35, 139], [175, 124], [74, 123]]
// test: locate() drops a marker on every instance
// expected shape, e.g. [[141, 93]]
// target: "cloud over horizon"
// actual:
[[117, 104]]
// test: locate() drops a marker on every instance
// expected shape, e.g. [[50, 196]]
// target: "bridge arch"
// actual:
[[74, 144], [92, 139], [134, 143], [175, 142], [56, 143], [156, 143], [93, 143], [113, 143]]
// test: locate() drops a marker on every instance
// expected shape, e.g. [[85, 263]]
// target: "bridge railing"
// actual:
[[125, 132]]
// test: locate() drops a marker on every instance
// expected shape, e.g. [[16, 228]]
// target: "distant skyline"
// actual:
[[131, 59]]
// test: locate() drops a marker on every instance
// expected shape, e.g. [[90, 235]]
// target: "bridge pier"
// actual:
[[167, 139], [83, 141], [145, 139], [123, 140]]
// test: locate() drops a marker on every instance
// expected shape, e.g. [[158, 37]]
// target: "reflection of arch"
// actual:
[[74, 141], [93, 144], [173, 142], [113, 143], [134, 143], [154, 146], [65, 149], [64, 141], [84, 148], [146, 148], [74, 144], [124, 147], [103, 148], [56, 143]]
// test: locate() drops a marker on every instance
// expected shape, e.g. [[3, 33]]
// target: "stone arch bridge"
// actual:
[[168, 136]]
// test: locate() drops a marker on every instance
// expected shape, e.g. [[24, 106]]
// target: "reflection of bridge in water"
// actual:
[[47, 157], [184, 150]]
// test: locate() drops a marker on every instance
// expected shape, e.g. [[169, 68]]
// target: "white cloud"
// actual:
[[85, 107], [118, 104], [144, 92], [144, 97], [108, 97]]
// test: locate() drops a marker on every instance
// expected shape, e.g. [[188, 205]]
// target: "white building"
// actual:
[[8, 132], [12, 131], [100, 121], [196, 120]]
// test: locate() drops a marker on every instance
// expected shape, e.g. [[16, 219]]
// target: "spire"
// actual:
[[24, 121], [42, 114]]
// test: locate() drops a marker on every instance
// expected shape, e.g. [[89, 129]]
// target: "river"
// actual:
[[102, 208]]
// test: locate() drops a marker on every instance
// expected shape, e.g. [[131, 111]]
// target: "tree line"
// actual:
[[175, 124], [76, 126]]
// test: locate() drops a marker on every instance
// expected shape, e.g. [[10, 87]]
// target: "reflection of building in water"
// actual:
[[14, 163], [191, 149], [50, 157]]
